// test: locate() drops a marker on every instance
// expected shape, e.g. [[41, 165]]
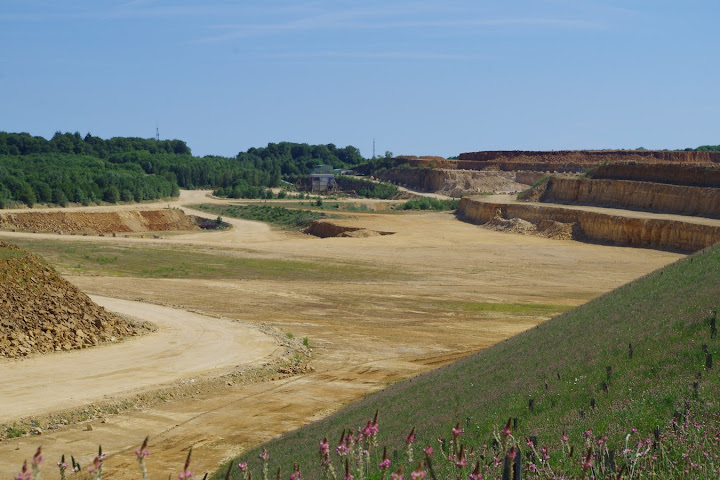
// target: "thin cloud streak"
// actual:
[[379, 55], [248, 30]]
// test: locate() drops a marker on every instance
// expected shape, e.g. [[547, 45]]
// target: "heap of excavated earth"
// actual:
[[40, 312]]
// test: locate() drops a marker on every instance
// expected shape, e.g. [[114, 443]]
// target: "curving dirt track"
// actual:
[[396, 309], [65, 380]]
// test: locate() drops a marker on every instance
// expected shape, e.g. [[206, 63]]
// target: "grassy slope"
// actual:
[[665, 317]]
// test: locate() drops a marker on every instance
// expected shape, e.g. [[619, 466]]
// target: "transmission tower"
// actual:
[[373, 148], [157, 133]]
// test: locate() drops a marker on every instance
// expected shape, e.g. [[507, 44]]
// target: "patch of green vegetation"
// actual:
[[427, 203], [634, 358], [285, 217], [103, 260], [14, 431], [10, 253], [185, 262], [541, 181]]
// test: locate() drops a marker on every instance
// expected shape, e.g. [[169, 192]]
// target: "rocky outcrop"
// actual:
[[675, 174], [456, 183], [99, 222], [40, 312], [593, 156], [598, 227], [656, 197]]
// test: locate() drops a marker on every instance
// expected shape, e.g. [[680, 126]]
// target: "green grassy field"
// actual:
[[164, 261], [575, 373], [277, 215]]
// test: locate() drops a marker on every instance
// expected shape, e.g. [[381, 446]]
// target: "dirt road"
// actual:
[[46, 383], [394, 306]]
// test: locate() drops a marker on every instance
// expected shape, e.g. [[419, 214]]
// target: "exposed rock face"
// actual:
[[575, 161], [40, 312], [99, 222], [594, 156], [599, 227], [676, 174], [634, 195], [456, 183]]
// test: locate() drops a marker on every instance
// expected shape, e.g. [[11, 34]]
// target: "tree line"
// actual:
[[87, 170]]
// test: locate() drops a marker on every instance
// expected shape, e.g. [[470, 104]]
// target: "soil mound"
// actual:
[[544, 228], [40, 312], [327, 230], [99, 222]]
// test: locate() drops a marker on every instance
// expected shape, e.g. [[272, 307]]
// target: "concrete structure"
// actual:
[[323, 182]]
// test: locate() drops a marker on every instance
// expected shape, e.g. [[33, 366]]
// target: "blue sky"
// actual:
[[421, 77]]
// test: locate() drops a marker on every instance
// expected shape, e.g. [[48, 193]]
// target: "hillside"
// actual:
[[40, 312], [635, 358]]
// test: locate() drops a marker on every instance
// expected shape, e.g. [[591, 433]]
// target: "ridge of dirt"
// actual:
[[325, 229], [40, 312], [94, 223]]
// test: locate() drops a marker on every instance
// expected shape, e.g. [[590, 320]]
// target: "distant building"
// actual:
[[322, 169], [323, 182]]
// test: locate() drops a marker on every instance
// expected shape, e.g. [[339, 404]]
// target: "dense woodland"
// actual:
[[86, 170]]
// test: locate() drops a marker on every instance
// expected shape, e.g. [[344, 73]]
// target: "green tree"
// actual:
[[112, 194]]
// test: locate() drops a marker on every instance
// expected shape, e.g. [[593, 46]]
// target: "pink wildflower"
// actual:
[[367, 429], [587, 461], [324, 447], [457, 431], [186, 473], [411, 436], [385, 464], [461, 461], [428, 450], [37, 458], [418, 473], [476, 475], [397, 475], [506, 431], [264, 455], [24, 473], [243, 466], [142, 452]]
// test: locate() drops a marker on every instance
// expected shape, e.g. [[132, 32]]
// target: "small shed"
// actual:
[[323, 182]]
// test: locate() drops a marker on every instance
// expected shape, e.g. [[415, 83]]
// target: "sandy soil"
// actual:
[[366, 332], [65, 380]]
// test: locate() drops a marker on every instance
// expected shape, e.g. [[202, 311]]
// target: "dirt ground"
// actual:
[[365, 332]]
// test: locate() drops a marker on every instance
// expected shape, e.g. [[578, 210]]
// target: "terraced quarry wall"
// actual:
[[656, 197], [677, 174], [99, 222], [599, 227], [460, 182], [593, 156]]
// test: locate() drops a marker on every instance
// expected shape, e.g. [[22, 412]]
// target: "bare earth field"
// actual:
[[375, 310]]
